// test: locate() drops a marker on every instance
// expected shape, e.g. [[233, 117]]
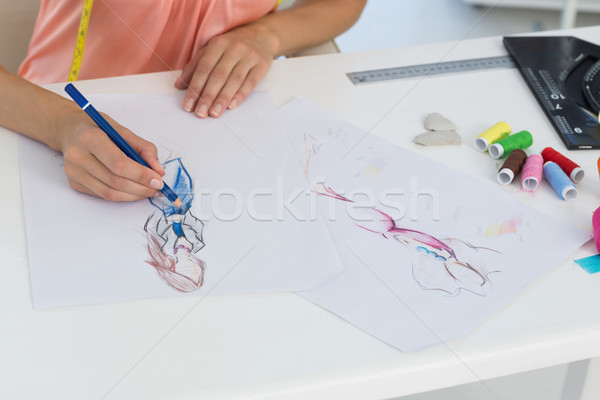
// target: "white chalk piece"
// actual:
[[438, 138], [437, 122]]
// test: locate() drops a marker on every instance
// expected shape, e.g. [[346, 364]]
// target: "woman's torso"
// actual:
[[130, 37]]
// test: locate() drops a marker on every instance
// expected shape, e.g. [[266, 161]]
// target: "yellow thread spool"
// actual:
[[495, 133], [80, 44]]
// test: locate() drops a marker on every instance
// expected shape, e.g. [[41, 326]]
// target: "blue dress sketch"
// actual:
[[175, 234]]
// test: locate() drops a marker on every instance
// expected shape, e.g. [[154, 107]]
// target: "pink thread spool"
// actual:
[[596, 226], [531, 175]]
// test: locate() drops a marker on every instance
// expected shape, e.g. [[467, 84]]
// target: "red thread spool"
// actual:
[[574, 171]]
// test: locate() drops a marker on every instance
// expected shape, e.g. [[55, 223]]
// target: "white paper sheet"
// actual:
[[85, 250], [429, 253]]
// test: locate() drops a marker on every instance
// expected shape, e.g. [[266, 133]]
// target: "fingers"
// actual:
[[80, 188], [124, 167], [229, 73], [145, 149], [210, 75], [94, 187], [222, 76], [234, 96], [95, 165], [197, 73], [186, 75], [111, 181]]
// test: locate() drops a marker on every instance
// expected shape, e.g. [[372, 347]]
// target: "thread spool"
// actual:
[[492, 135], [596, 227], [574, 171], [559, 181], [503, 147], [511, 167], [531, 175]]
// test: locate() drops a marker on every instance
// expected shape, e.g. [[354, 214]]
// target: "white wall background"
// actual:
[[17, 18]]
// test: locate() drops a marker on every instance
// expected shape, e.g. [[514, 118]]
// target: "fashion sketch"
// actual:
[[174, 234], [448, 265]]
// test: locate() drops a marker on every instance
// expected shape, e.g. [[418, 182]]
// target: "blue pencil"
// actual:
[[115, 137]]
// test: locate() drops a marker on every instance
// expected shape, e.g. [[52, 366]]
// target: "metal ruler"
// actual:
[[423, 70]]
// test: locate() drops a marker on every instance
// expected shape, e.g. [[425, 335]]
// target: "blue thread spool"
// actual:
[[503, 147], [561, 183]]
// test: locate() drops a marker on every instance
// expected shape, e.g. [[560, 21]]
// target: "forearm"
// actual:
[[308, 23], [31, 110]]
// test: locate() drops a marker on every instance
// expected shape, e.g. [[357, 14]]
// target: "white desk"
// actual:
[[280, 346]]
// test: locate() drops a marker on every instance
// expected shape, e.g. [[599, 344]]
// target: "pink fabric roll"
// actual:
[[596, 226]]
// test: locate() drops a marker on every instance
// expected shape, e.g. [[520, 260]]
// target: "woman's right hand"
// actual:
[[96, 166], [93, 163]]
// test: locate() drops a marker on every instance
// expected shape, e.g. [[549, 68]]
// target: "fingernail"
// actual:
[[156, 184], [233, 104], [216, 110], [202, 111], [189, 105]]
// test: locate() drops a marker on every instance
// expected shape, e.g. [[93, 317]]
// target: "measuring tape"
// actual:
[[415, 71], [80, 44]]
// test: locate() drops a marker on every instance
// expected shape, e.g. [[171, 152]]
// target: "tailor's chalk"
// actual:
[[498, 131], [574, 171], [503, 147], [591, 264], [115, 137], [559, 181], [437, 122]]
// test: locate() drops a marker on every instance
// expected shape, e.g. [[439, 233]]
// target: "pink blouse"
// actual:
[[130, 37]]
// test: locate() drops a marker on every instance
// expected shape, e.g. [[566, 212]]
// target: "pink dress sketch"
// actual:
[[436, 265], [311, 147], [175, 234]]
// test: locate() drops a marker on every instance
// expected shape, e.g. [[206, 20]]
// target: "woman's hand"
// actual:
[[93, 163], [96, 166], [226, 70]]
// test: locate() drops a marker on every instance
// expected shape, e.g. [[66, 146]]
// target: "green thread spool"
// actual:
[[503, 147], [492, 135]]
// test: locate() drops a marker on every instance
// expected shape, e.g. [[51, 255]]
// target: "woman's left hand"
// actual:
[[226, 70]]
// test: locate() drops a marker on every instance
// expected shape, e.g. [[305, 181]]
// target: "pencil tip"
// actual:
[[178, 202]]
